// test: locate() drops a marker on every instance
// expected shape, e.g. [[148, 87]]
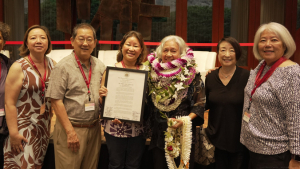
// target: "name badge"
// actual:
[[89, 106], [246, 117], [2, 113]]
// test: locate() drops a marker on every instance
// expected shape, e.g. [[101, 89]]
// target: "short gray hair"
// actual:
[[181, 43], [282, 33]]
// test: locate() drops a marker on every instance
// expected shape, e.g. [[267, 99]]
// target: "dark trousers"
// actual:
[[124, 152], [228, 160], [2, 140], [278, 161], [159, 158]]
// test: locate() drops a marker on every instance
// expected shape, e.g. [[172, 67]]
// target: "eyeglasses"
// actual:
[[88, 40]]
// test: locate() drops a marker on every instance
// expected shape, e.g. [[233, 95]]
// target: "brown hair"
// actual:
[[24, 51], [234, 43], [139, 36]]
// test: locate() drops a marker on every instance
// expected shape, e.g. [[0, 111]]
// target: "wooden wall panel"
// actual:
[[72, 23], [181, 19], [125, 16], [296, 32], [136, 10], [1, 10], [297, 53], [254, 22], [144, 24], [217, 24], [290, 22], [33, 12], [150, 10], [83, 9], [64, 15]]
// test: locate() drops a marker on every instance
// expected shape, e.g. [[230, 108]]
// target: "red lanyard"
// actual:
[[45, 74], [123, 64], [259, 81], [83, 75]]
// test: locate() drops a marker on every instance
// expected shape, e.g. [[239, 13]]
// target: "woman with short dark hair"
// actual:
[[224, 89]]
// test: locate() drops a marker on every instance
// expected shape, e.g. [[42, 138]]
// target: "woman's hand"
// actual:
[[116, 121], [178, 124], [102, 91], [294, 164], [16, 142]]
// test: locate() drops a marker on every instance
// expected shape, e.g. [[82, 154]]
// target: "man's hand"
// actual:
[[73, 142]]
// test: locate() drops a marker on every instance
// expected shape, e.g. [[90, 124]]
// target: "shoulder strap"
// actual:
[[50, 63]]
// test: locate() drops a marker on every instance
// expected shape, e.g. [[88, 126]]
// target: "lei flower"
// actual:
[[178, 141], [168, 82]]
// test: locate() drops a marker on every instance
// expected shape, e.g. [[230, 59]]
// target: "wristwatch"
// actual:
[[296, 157]]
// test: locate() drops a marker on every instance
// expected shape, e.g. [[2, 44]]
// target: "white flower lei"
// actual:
[[168, 82], [178, 141]]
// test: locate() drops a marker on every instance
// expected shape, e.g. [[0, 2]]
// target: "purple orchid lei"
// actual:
[[169, 81]]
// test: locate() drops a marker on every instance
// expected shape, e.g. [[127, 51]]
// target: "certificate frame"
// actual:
[[110, 112]]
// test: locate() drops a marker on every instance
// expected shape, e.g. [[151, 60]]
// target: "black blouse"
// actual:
[[225, 104]]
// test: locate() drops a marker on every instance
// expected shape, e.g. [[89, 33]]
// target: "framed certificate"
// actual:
[[126, 94]]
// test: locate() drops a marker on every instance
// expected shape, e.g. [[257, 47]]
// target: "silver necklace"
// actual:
[[227, 75]]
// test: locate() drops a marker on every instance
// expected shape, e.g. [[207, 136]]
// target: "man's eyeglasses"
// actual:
[[88, 40]]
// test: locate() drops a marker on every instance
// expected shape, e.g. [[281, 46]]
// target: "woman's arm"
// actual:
[[13, 85], [199, 99], [288, 96], [199, 102]]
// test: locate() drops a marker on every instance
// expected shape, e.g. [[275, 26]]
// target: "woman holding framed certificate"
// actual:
[[177, 99], [124, 140]]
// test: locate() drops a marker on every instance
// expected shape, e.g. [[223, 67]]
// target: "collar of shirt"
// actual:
[[83, 65]]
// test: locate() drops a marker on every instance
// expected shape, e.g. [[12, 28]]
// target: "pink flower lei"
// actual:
[[169, 81], [173, 68]]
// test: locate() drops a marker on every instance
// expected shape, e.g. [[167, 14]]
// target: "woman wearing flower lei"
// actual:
[[175, 104]]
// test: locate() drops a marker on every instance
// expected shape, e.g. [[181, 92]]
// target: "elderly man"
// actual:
[[73, 89]]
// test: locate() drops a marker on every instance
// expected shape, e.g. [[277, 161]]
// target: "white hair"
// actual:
[[181, 43], [282, 33]]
